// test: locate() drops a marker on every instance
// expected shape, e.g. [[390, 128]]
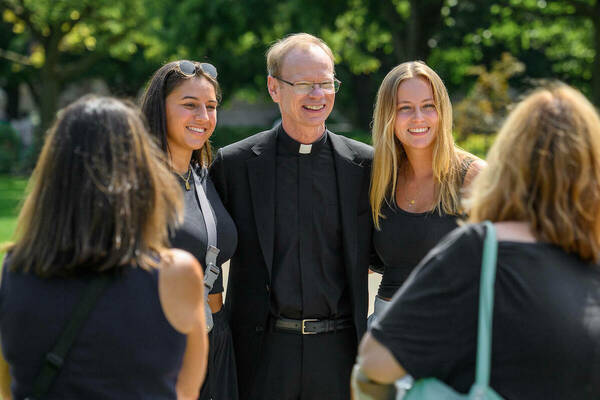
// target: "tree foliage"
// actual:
[[484, 108], [53, 42], [65, 38]]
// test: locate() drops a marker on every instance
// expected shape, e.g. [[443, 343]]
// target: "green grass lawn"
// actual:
[[12, 190]]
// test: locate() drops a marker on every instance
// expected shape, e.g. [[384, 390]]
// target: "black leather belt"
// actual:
[[312, 326]]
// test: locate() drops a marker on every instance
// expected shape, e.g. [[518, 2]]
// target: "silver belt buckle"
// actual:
[[304, 321]]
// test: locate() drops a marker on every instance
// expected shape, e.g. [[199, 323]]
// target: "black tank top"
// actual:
[[126, 349], [405, 238]]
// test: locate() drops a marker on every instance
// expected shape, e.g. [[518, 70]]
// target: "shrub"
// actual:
[[477, 144]]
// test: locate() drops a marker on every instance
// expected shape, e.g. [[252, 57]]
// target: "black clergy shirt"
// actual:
[[308, 278]]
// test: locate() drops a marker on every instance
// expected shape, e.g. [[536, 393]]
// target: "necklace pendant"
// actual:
[[187, 185], [411, 203]]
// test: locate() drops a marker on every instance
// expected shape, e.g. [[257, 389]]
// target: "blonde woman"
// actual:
[[542, 191], [418, 175]]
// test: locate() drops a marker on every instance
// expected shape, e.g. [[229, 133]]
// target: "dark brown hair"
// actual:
[[100, 197], [163, 82]]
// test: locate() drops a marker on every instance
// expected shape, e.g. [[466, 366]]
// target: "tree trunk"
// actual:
[[413, 30], [12, 99], [49, 88], [410, 37], [363, 105], [388, 13]]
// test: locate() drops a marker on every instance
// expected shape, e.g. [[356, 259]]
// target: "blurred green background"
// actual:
[[488, 53]]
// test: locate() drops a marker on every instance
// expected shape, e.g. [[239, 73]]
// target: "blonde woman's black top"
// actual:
[[404, 239]]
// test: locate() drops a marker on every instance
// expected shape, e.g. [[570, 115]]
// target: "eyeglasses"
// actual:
[[189, 68], [303, 87]]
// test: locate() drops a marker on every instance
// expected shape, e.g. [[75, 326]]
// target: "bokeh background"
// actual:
[[489, 53]]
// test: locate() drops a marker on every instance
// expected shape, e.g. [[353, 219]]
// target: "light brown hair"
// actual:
[[100, 197], [544, 169], [390, 155], [277, 52]]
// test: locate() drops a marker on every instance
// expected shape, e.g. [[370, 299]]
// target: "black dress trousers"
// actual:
[[305, 367]]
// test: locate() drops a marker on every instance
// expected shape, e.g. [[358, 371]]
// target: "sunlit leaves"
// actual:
[[37, 56], [356, 38], [9, 16]]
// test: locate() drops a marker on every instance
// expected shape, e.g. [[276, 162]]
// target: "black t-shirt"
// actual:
[[546, 324]]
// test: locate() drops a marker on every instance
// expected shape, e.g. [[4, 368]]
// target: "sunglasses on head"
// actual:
[[189, 68]]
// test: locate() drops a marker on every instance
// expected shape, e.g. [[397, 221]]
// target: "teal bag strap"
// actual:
[[486, 307], [432, 388]]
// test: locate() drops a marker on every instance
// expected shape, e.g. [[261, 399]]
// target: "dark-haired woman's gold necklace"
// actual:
[[186, 180]]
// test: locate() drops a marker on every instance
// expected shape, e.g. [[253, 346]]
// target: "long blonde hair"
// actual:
[[389, 152], [544, 169], [100, 197]]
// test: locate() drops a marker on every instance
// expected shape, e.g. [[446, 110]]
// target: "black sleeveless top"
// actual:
[[126, 349], [405, 238]]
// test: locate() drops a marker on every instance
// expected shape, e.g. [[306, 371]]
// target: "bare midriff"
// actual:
[[215, 302]]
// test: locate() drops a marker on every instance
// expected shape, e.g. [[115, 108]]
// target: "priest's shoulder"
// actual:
[[362, 150]]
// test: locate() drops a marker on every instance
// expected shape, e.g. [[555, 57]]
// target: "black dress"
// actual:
[[546, 322], [126, 349], [221, 378]]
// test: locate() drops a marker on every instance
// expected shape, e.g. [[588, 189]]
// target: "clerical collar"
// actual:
[[287, 145]]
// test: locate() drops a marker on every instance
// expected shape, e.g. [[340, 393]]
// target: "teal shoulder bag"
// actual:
[[432, 388]]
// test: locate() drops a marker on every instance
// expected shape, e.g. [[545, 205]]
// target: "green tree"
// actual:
[[368, 37], [483, 110], [65, 38], [554, 38], [373, 36]]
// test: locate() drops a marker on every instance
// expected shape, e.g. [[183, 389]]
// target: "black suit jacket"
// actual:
[[244, 175]]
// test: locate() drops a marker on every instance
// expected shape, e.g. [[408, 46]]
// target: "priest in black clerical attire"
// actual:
[[298, 193]]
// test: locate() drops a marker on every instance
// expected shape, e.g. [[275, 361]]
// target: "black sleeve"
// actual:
[[375, 263], [431, 325], [217, 175], [226, 232]]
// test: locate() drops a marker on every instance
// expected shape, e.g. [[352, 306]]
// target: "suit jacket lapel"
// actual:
[[349, 180], [261, 176]]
